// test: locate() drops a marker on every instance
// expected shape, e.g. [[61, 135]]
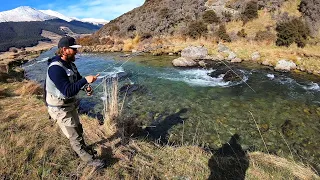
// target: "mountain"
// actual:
[[22, 26], [57, 15], [22, 14]]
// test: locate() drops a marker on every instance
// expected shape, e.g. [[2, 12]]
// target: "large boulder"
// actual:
[[184, 62], [285, 66], [194, 52]]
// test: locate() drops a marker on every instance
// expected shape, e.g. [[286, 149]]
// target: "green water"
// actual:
[[284, 107]]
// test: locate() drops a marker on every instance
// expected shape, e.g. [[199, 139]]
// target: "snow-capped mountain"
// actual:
[[24, 13], [57, 14], [95, 21]]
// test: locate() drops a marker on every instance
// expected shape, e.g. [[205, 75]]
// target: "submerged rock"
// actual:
[[129, 89]]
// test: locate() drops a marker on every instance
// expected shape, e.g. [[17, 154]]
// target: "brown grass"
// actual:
[[29, 88]]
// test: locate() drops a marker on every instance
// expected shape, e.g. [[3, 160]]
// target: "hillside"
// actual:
[[24, 34], [274, 29]]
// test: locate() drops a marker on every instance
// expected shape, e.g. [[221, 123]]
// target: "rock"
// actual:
[[223, 48], [170, 54], [255, 56], [236, 60], [232, 55], [129, 88], [285, 66], [231, 76], [4, 68], [194, 52], [266, 63], [202, 63], [184, 62], [218, 72], [134, 51], [220, 57]]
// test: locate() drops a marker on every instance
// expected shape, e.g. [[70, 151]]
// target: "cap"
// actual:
[[68, 41]]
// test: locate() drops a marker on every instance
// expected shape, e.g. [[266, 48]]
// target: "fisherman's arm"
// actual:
[[60, 78]]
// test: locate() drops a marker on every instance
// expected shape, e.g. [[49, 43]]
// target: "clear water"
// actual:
[[207, 111]]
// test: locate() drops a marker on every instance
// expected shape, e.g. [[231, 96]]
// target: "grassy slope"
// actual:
[[31, 147]]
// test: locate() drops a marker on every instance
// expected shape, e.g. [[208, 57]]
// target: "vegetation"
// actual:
[[197, 29], [265, 36], [250, 12], [222, 34], [242, 33], [210, 17], [292, 31]]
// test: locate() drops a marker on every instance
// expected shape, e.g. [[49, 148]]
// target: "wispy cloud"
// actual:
[[105, 9]]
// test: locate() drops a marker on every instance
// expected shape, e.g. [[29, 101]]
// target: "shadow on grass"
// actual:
[[159, 131], [230, 162]]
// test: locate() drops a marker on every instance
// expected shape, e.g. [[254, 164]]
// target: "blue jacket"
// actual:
[[60, 78]]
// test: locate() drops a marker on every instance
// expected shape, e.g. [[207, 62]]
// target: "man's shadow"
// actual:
[[230, 162], [159, 131]]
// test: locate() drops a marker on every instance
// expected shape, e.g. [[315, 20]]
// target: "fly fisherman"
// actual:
[[63, 83]]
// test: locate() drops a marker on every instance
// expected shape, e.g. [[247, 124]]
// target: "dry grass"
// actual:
[[29, 88], [291, 7], [274, 167], [32, 147], [111, 105], [261, 23]]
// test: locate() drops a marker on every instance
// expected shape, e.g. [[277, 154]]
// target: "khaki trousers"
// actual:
[[68, 121]]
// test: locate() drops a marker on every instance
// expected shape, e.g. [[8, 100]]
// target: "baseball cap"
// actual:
[[68, 41]]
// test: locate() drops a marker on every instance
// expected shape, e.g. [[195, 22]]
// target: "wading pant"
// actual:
[[68, 121]]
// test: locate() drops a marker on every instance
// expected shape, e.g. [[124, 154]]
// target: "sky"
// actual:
[[99, 9]]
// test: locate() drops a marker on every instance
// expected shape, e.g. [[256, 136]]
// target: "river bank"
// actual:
[[266, 53]]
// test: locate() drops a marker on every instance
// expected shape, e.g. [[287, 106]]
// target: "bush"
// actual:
[[197, 29], [226, 16], [292, 31], [210, 17], [132, 27], [264, 35], [222, 34], [106, 41], [250, 12], [242, 33], [88, 41], [164, 13]]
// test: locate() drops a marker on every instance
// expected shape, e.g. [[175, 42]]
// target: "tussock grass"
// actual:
[[32, 147], [29, 88], [291, 7]]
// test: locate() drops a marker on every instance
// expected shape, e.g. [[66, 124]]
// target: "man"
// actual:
[[63, 83]]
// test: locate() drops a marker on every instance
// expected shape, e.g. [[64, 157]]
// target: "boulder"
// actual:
[[231, 76], [236, 60], [4, 68], [232, 55], [194, 52], [223, 48], [285, 66], [255, 56], [184, 62]]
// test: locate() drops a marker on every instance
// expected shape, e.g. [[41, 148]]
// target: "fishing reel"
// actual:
[[88, 89]]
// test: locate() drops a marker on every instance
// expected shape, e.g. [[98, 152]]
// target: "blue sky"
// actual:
[[99, 9]]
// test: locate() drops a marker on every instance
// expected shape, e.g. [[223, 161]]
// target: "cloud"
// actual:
[[100, 9]]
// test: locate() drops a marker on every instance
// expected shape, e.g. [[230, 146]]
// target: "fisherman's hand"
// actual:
[[91, 79]]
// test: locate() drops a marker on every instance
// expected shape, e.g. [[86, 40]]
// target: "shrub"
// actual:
[[164, 13], [226, 16], [197, 29], [146, 36], [242, 33], [106, 41], [292, 31], [250, 12], [222, 34], [210, 17], [88, 41], [114, 28], [264, 35], [132, 27]]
